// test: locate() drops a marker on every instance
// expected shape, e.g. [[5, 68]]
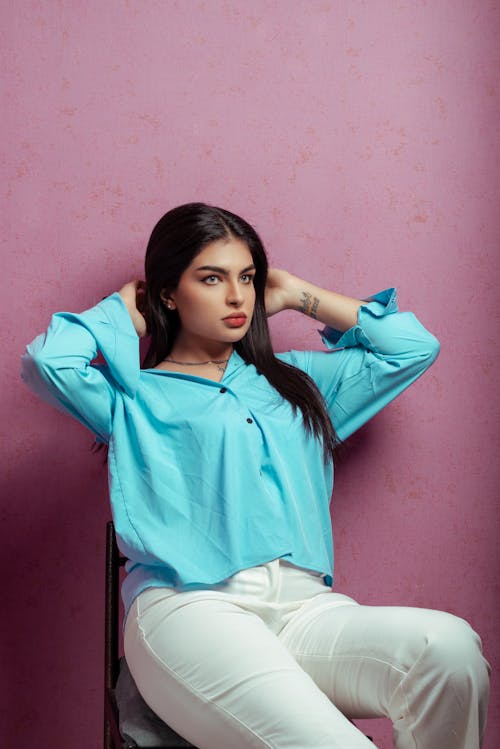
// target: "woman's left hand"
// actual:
[[277, 287]]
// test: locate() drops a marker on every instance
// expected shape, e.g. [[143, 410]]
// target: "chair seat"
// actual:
[[139, 725]]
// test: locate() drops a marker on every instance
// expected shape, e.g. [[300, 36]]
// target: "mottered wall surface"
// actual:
[[361, 139]]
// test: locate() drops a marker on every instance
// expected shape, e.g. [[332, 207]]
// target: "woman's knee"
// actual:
[[452, 652], [453, 642]]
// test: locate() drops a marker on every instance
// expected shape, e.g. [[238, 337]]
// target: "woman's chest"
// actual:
[[252, 410]]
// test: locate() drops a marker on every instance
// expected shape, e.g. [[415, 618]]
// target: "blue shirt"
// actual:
[[208, 478]]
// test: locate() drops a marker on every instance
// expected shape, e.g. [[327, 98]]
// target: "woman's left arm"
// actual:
[[286, 291], [377, 351]]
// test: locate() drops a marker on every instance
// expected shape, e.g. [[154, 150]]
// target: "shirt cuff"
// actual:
[[379, 305]]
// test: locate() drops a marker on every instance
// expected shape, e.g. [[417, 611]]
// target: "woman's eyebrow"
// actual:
[[224, 271]]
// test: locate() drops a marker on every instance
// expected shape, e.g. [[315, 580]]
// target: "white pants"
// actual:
[[273, 658]]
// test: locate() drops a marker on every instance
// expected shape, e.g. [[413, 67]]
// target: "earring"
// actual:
[[170, 305]]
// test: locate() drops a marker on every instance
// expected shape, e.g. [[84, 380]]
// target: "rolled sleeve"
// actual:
[[364, 333], [370, 364]]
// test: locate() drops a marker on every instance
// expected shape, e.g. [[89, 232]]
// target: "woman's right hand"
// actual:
[[133, 296]]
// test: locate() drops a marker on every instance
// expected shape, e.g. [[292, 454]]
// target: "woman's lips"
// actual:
[[235, 321]]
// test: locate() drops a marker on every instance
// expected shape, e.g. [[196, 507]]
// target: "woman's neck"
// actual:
[[183, 351]]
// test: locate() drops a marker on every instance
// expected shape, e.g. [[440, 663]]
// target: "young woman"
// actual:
[[221, 471]]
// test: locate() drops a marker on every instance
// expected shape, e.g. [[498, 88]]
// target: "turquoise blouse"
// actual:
[[208, 478]]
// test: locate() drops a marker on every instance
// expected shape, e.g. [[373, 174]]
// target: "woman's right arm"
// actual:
[[57, 365]]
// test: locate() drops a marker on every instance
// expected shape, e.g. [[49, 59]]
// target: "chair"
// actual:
[[128, 722]]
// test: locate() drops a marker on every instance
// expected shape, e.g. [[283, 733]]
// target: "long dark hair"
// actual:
[[175, 241]]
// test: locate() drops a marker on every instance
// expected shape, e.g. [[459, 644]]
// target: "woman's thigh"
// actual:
[[373, 661], [221, 678]]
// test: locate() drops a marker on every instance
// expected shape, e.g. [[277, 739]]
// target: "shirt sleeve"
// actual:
[[367, 366], [57, 365]]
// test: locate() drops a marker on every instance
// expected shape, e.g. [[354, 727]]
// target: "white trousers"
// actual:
[[273, 658]]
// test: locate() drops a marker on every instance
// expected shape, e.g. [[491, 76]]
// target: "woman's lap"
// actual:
[[214, 670], [217, 674]]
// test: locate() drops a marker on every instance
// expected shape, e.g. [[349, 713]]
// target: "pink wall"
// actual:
[[361, 139]]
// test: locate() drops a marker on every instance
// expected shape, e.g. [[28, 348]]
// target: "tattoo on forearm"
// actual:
[[309, 304], [305, 301]]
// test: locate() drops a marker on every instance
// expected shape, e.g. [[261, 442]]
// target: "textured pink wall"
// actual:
[[362, 140]]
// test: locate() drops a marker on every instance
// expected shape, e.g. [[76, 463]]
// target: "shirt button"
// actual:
[[223, 390], [250, 421], [328, 580]]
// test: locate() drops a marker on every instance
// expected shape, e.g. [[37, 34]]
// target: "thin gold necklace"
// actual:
[[217, 362]]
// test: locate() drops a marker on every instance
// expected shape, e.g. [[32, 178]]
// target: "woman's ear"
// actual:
[[167, 300]]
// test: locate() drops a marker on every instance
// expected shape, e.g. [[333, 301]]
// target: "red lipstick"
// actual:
[[235, 319]]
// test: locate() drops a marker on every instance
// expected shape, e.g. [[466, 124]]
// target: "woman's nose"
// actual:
[[234, 294]]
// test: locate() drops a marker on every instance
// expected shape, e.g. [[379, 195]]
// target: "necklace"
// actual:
[[218, 362]]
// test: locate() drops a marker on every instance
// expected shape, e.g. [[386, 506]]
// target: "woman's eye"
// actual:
[[246, 278], [210, 279]]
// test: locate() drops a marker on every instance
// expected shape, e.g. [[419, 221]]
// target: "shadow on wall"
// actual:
[[52, 595]]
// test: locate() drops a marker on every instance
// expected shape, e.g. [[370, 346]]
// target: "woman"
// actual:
[[221, 471]]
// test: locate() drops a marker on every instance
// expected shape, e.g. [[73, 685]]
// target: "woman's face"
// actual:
[[215, 296]]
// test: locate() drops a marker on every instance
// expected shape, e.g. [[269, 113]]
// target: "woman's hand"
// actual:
[[133, 296], [277, 290]]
